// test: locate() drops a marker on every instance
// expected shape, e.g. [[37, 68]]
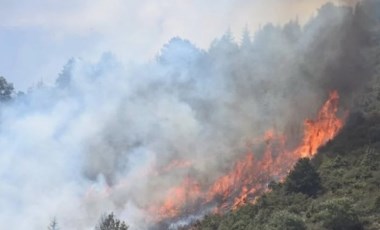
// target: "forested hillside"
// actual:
[[338, 188]]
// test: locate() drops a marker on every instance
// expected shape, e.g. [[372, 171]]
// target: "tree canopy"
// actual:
[[110, 222], [6, 89], [304, 178]]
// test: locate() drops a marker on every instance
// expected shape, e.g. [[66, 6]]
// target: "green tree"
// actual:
[[304, 178], [335, 214], [210, 222], [110, 222], [284, 220], [6, 89]]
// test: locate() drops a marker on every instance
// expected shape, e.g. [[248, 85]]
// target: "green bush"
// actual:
[[284, 220], [304, 178], [210, 222], [335, 214]]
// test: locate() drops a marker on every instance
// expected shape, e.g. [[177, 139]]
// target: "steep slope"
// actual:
[[349, 172], [339, 187]]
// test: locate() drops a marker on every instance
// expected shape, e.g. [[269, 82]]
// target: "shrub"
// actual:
[[284, 220], [335, 214], [303, 179]]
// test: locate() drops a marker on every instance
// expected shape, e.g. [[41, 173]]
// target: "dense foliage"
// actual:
[[303, 179]]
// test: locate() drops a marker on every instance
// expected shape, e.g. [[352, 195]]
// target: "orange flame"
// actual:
[[321, 130], [177, 197], [250, 176]]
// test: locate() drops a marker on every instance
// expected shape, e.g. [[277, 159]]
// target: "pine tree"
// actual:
[[6, 89], [110, 222], [304, 178]]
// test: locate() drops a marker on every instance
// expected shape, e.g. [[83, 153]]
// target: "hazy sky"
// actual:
[[37, 37]]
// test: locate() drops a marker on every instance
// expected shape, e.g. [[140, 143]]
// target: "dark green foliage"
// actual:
[[110, 222], [273, 185], [6, 89], [211, 222], [284, 220], [335, 214], [376, 204], [361, 130], [303, 179]]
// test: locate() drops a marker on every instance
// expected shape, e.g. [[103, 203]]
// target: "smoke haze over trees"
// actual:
[[98, 139]]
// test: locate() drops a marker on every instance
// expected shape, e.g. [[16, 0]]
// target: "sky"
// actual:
[[37, 37]]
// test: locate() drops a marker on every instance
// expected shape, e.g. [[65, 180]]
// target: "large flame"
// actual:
[[324, 128], [250, 176]]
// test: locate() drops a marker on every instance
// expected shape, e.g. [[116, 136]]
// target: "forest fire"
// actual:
[[250, 175]]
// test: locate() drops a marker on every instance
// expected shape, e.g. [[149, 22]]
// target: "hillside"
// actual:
[[349, 172], [338, 188]]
